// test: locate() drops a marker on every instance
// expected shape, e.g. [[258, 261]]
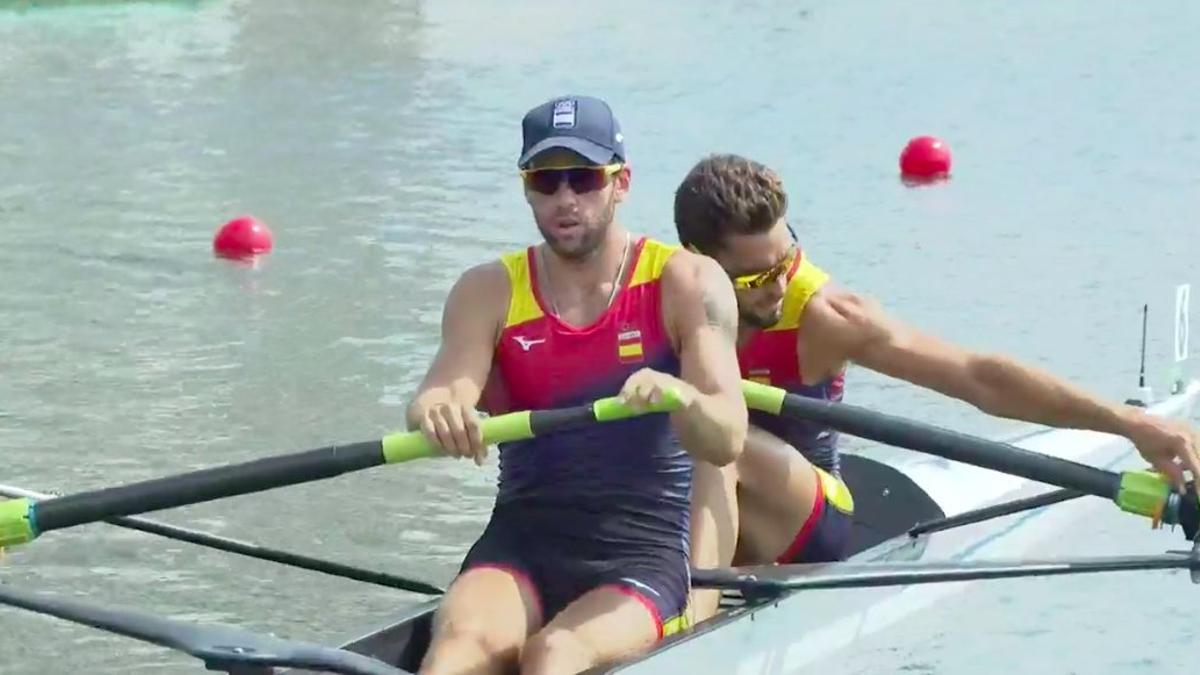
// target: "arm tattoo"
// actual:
[[719, 313]]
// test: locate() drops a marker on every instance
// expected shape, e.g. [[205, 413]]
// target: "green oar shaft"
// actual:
[[1141, 492], [22, 520]]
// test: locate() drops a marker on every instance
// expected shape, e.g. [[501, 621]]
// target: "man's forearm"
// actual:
[[1010, 389], [713, 428]]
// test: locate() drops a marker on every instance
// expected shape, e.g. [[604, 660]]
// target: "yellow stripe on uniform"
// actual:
[[676, 624], [651, 262], [522, 305], [836, 492], [804, 284]]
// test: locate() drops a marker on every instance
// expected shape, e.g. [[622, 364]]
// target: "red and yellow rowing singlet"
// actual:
[[625, 483], [770, 356]]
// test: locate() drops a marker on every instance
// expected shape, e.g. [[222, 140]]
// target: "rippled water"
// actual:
[[379, 139]]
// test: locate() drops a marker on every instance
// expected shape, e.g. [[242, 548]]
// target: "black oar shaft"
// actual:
[[221, 647], [952, 445], [23, 521], [288, 558], [250, 549], [557, 420], [995, 511], [785, 578], [206, 484]]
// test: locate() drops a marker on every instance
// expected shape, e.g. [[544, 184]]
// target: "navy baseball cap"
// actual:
[[583, 124]]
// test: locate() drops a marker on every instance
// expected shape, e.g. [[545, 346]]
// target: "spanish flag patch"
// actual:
[[760, 375], [629, 345]]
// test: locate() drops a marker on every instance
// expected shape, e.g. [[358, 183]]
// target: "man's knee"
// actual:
[[475, 628], [468, 644], [557, 652]]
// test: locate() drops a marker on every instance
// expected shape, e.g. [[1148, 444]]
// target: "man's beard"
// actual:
[[581, 248], [758, 321], [590, 240]]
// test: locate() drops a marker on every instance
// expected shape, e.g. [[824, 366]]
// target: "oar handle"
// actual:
[[519, 426], [15, 527], [22, 520], [1150, 494], [1145, 493], [763, 397]]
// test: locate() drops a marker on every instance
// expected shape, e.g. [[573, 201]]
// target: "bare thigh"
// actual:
[[481, 624], [601, 626], [777, 488]]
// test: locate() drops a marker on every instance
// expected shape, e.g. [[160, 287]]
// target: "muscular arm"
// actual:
[[840, 326], [470, 323], [701, 314]]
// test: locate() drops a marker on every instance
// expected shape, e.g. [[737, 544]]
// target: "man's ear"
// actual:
[[622, 180]]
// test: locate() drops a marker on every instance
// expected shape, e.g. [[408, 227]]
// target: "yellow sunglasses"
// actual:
[[582, 179], [760, 279], [754, 280]]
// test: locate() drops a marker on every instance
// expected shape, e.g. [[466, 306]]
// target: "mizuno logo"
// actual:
[[526, 343]]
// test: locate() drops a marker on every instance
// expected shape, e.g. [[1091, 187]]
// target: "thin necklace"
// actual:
[[611, 294]]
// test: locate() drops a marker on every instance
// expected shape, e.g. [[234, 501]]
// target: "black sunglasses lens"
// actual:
[[585, 180], [581, 180], [545, 181]]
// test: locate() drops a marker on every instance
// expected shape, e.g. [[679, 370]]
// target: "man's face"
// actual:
[[758, 265], [573, 200]]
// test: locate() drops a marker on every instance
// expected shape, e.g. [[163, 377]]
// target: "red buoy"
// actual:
[[243, 237], [925, 158]]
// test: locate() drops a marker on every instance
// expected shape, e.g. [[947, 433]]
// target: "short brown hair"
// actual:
[[727, 194]]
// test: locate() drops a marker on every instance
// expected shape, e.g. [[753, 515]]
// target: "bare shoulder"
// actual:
[[480, 292], [696, 289], [840, 316], [686, 268], [487, 280], [843, 303]]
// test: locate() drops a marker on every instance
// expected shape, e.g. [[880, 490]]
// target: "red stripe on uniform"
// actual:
[[646, 602], [522, 579], [809, 525]]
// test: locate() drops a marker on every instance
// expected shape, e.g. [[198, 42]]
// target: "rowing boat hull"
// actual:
[[786, 633]]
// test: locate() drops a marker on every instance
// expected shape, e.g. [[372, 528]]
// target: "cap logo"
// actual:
[[564, 114]]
